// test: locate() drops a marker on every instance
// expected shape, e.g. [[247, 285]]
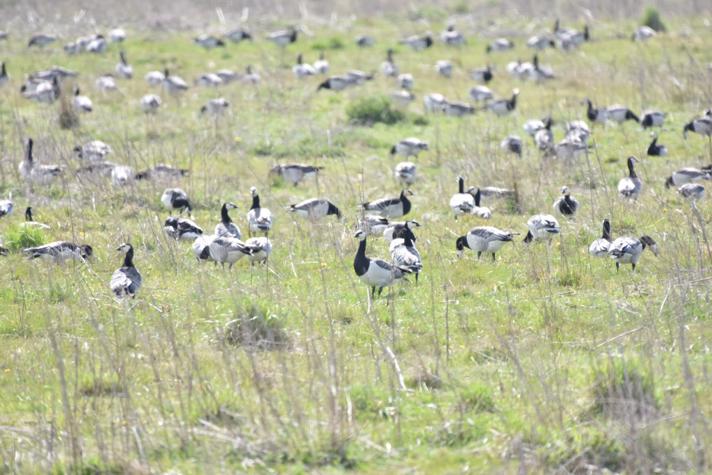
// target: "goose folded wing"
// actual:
[[121, 282]]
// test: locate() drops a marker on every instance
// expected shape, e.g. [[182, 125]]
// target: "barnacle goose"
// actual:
[[251, 76], [336, 83], [365, 41], [544, 137], [541, 227], [540, 42], [106, 83], [692, 191], [54, 72], [81, 103], [418, 43], [539, 72], [215, 107], [40, 90], [182, 228], [376, 273], [434, 102], [406, 81], [687, 175], [315, 208], [283, 37], [302, 69], [409, 147], [578, 130], [504, 106], [294, 173], [600, 247], [570, 148], [402, 97], [481, 93], [155, 78], [630, 186], [98, 44], [618, 113], [60, 251], [260, 249], [94, 150], [373, 225], [480, 211], [390, 207], [482, 74], [117, 35], [404, 254], [227, 249], [150, 103], [569, 38], [123, 68], [652, 119], [227, 75], [565, 204], [173, 84], [444, 68], [462, 202], [201, 247], [259, 219], [457, 108], [483, 239], [394, 228], [162, 172], [627, 250], [500, 44], [388, 67], [122, 175], [452, 37], [37, 173], [176, 198], [513, 144], [655, 149], [6, 206], [405, 173], [643, 33], [209, 80], [126, 280], [41, 40], [208, 41], [30, 222], [226, 227], [321, 65], [238, 34], [701, 125]]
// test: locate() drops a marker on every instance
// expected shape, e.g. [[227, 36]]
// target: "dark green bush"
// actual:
[[624, 390], [256, 329], [374, 109], [651, 18]]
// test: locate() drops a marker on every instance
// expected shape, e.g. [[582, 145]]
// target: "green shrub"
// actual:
[[651, 18], [18, 237], [256, 329], [624, 390], [585, 450], [477, 398], [371, 110]]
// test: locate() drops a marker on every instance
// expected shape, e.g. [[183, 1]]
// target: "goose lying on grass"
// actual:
[[59, 251]]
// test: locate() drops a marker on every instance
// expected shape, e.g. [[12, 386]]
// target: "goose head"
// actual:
[[360, 235], [86, 251], [565, 190], [253, 191], [648, 242], [460, 245], [125, 247]]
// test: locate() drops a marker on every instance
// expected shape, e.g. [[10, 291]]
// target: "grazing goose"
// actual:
[[656, 150], [405, 173], [373, 225], [294, 173], [701, 125], [444, 68], [155, 78], [93, 151], [457, 108], [81, 103], [59, 251], [126, 280], [619, 114], [365, 41], [404, 254], [150, 103], [237, 35], [483, 239], [162, 172], [692, 191], [418, 43], [37, 173], [46, 91], [687, 175], [283, 37], [209, 80], [600, 247], [652, 119], [504, 106], [480, 211], [98, 44], [251, 76], [321, 65], [226, 227], [630, 186], [394, 228], [643, 33], [4, 78], [315, 208], [409, 147], [402, 97], [540, 42], [578, 130], [500, 44], [227, 249], [6, 206], [182, 229], [336, 83], [452, 37], [388, 67], [123, 68], [570, 148], [390, 207], [106, 83], [175, 198], [117, 35], [215, 107], [406, 81], [544, 138], [481, 93], [301, 69], [512, 144], [173, 84], [462, 202], [566, 205], [376, 273], [627, 250], [201, 247], [208, 41], [541, 227], [40, 40], [595, 114], [122, 175], [569, 38], [259, 219], [260, 249], [434, 102], [482, 74]]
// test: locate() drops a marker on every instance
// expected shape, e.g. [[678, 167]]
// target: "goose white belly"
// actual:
[[629, 187], [378, 274], [462, 203], [599, 247]]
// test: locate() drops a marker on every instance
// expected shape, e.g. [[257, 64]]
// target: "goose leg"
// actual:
[[618, 266], [493, 257], [479, 253], [633, 264]]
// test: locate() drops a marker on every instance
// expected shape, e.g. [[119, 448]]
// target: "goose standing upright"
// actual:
[[627, 250], [600, 247], [483, 239], [388, 67], [302, 69], [566, 205], [81, 103], [173, 84], [376, 273], [462, 202], [226, 227], [126, 280], [390, 207], [630, 186], [259, 219], [123, 68], [404, 254], [321, 65], [4, 78], [37, 173]]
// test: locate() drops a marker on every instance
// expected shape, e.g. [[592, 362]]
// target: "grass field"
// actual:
[[547, 360]]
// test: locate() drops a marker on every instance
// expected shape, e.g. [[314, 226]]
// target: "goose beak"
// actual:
[[655, 250], [459, 254]]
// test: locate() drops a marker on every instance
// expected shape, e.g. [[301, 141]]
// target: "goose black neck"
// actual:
[[477, 197], [361, 262], [128, 258], [28, 214], [29, 150], [406, 203], [591, 113], [631, 169], [225, 217], [122, 57], [606, 230], [461, 243], [3, 73], [255, 201], [334, 210], [461, 185]]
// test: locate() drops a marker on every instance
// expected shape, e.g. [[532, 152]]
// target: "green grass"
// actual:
[[481, 367]]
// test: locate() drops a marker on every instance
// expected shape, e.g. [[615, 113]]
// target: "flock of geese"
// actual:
[[377, 218]]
